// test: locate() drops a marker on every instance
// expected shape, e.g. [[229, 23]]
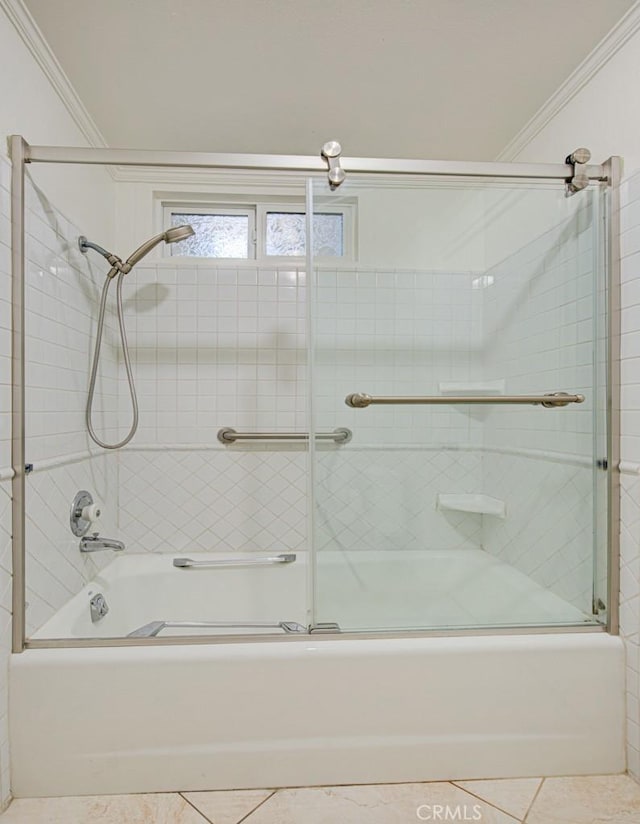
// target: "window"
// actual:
[[285, 234], [261, 231], [219, 233]]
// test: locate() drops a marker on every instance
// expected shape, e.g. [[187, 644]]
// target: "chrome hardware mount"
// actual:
[[98, 607], [579, 179], [331, 152], [80, 526], [228, 435], [324, 626]]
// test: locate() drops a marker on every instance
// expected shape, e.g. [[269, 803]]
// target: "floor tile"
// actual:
[[513, 795], [606, 799], [160, 808], [375, 804], [227, 806]]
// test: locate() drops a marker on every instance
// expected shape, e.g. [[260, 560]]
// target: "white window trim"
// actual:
[[257, 214]]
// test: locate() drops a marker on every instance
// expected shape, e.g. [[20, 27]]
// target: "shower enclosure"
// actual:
[[376, 463], [443, 457]]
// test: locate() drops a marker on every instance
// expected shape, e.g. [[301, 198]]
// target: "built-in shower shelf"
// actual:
[[471, 387], [480, 504]]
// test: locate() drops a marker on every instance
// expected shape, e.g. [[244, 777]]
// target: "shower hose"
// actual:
[[96, 361]]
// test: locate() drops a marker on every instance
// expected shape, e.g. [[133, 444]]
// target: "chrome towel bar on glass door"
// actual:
[[153, 628], [186, 563], [228, 435], [360, 400]]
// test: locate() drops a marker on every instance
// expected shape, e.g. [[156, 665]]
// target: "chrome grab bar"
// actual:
[[227, 435], [186, 563], [360, 400], [153, 628]]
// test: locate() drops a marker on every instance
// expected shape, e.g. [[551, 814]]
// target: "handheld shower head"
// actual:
[[173, 235], [119, 270], [177, 233]]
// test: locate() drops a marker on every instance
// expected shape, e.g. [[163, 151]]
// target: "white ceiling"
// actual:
[[409, 78]]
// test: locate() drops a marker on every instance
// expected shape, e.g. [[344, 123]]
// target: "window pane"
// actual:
[[216, 236], [328, 233], [286, 233]]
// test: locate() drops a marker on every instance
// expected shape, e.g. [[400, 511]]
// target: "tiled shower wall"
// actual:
[[216, 347], [396, 333], [5, 474], [630, 463], [538, 322], [61, 295]]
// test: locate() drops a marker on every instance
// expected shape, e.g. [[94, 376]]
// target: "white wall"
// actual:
[[604, 115], [31, 106]]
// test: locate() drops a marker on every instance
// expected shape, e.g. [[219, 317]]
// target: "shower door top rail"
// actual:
[[360, 400], [304, 163]]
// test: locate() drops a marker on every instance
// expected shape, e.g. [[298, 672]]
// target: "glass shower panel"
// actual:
[[209, 497], [441, 513]]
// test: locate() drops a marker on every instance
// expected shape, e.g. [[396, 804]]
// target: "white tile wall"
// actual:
[[61, 298], [5, 635], [217, 347], [5, 486], [207, 498], [385, 498], [630, 455], [538, 321], [55, 568]]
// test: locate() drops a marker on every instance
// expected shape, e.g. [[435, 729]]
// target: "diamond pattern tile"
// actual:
[[547, 533], [386, 499], [213, 500]]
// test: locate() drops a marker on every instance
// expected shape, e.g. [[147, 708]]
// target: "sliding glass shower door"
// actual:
[[459, 336]]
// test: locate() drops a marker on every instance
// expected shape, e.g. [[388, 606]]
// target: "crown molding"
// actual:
[[27, 28], [607, 48]]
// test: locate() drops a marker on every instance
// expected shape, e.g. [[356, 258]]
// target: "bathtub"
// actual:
[[363, 590], [286, 708]]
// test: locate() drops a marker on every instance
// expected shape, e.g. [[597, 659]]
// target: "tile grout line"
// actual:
[[533, 800], [484, 800], [257, 807], [193, 806]]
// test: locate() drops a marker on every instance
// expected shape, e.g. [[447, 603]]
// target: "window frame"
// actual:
[[346, 210], [244, 210], [257, 212]]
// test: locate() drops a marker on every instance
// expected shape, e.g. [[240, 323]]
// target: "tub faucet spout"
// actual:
[[94, 543]]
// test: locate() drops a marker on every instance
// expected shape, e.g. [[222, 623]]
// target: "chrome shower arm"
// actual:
[[114, 261]]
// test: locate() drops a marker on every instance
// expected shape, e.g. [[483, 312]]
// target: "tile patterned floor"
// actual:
[[587, 800]]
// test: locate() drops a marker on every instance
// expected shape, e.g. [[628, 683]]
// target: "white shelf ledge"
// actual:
[[480, 504], [471, 387]]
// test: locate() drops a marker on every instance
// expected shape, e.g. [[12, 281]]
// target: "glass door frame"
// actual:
[[22, 154]]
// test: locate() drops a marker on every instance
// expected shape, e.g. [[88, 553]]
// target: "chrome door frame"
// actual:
[[22, 154]]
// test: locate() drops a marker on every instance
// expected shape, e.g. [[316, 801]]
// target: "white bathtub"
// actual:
[[304, 710], [399, 589]]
